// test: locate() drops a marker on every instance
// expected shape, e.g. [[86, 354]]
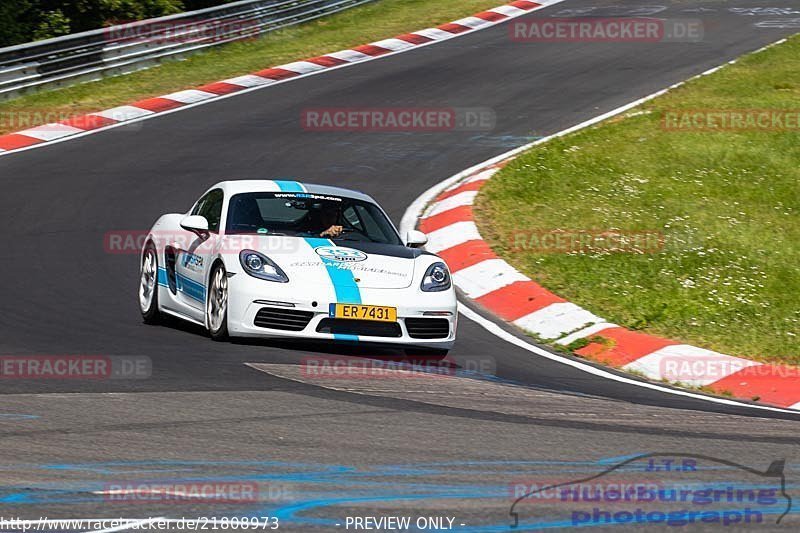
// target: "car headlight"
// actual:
[[262, 267], [437, 278]]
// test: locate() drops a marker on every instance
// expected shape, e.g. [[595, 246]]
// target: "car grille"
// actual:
[[428, 328], [285, 319], [359, 327]]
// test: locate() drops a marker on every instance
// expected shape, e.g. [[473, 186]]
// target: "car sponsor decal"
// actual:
[[307, 196], [344, 283], [189, 287], [192, 261], [340, 253]]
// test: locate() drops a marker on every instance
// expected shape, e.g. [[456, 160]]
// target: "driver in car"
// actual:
[[323, 222]]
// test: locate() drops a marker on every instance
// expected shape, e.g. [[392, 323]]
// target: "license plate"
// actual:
[[375, 313]]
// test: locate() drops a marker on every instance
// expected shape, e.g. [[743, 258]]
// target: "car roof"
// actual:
[[232, 187]]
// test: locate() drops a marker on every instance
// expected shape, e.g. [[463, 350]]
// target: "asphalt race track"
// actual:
[[236, 411]]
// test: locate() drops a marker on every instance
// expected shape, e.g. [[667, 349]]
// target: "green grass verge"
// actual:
[[726, 202], [371, 22]]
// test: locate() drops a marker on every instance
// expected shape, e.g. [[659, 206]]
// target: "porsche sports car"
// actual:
[[291, 260]]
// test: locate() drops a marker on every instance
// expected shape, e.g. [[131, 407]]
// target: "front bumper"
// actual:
[[247, 296]]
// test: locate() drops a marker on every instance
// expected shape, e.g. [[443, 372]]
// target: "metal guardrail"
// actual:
[[115, 50]]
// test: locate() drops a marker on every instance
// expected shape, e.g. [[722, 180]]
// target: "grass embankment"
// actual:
[[371, 22], [727, 203]]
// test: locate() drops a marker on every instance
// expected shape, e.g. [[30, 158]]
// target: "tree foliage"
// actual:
[[27, 20]]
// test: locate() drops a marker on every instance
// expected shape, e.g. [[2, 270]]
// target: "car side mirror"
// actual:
[[196, 224], [416, 239]]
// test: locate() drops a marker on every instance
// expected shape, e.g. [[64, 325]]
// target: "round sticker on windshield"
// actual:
[[338, 253]]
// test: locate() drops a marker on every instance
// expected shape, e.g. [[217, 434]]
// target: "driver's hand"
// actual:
[[333, 231]]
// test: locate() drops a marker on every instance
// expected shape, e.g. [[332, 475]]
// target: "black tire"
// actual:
[[221, 333], [150, 314]]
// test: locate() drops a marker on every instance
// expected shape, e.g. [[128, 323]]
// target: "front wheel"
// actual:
[[148, 286], [217, 304]]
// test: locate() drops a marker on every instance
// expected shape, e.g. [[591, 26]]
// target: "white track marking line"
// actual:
[[497, 331], [189, 96], [435, 33], [393, 44], [301, 67], [670, 361], [351, 56], [486, 277], [409, 220], [49, 132], [556, 320], [123, 113], [452, 235], [457, 200], [472, 22], [509, 11], [248, 80], [585, 332], [417, 207]]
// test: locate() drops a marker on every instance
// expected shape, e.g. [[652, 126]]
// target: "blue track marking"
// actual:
[[314, 495], [17, 416]]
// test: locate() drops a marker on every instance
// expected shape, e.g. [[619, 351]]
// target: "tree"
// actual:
[[25, 20], [17, 20], [51, 24]]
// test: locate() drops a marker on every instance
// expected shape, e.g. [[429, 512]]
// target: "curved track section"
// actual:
[[64, 294]]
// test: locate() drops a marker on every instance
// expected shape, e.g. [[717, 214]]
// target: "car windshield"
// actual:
[[309, 215]]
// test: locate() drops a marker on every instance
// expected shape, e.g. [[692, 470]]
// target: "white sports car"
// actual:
[[291, 260]]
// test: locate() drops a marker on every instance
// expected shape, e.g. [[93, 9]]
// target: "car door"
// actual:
[[194, 258]]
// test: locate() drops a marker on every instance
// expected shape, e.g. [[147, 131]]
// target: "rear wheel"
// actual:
[[148, 286], [217, 304]]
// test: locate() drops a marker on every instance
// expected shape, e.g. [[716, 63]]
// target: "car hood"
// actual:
[[321, 262]]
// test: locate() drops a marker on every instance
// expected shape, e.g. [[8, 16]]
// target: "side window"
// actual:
[[352, 218], [210, 207], [198, 206], [371, 228]]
